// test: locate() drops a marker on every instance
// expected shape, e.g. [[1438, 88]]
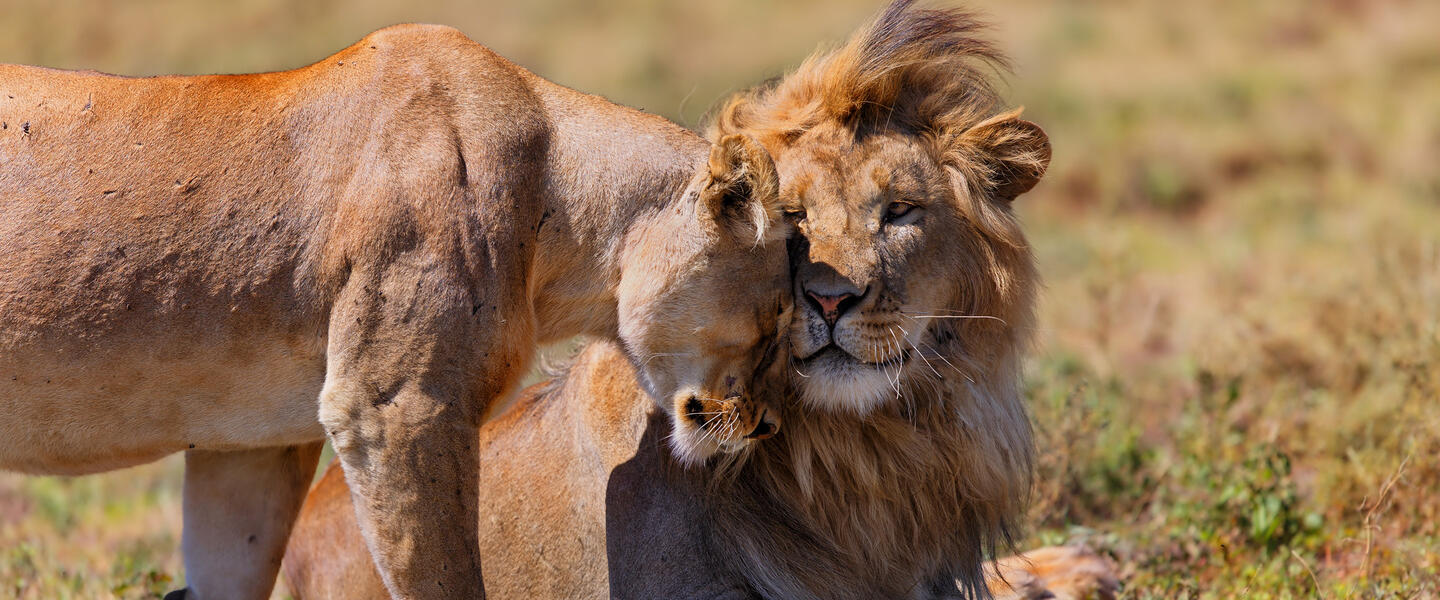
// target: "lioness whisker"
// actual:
[[655, 356]]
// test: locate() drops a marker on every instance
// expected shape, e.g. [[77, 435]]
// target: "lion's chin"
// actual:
[[833, 380]]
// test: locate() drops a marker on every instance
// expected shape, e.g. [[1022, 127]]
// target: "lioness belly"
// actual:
[[96, 412]]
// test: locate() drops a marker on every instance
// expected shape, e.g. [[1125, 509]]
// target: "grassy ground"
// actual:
[[1237, 382]]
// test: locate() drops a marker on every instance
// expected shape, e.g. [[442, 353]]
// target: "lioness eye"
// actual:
[[898, 209], [795, 214]]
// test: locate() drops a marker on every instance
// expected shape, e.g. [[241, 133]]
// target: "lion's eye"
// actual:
[[898, 209], [795, 214]]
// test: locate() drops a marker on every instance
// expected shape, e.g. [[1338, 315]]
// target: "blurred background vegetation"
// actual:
[[1237, 389]]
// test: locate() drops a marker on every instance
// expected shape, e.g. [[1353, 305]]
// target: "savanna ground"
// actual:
[[1237, 386]]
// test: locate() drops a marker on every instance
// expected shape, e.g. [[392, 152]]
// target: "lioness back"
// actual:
[[171, 245]]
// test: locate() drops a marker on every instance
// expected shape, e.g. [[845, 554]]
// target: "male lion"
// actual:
[[906, 453], [205, 264]]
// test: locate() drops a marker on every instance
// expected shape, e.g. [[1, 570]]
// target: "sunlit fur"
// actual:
[[922, 461], [591, 503], [901, 501], [381, 239]]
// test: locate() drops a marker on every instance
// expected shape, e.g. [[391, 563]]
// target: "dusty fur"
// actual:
[[927, 482], [381, 239], [925, 72], [612, 515], [906, 452]]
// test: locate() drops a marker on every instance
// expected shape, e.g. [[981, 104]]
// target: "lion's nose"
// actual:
[[831, 306]]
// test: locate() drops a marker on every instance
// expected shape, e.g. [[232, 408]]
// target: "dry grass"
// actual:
[[1239, 372]]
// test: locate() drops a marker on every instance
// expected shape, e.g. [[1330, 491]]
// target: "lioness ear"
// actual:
[[1013, 152], [742, 193]]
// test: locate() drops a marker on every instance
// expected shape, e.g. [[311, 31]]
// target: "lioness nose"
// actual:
[[832, 306]]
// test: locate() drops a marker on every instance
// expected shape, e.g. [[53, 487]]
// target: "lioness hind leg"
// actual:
[[239, 507]]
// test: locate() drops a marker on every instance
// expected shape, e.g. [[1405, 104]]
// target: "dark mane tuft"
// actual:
[[918, 68]]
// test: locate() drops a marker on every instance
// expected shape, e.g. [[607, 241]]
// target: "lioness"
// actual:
[[612, 514], [381, 239], [906, 453]]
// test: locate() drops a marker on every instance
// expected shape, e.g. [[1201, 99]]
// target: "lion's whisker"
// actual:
[[910, 400], [899, 366], [958, 317], [941, 356], [906, 337]]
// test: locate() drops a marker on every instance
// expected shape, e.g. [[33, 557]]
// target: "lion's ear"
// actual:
[[1014, 153], [742, 193]]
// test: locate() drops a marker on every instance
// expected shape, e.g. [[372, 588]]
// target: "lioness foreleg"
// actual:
[[401, 406], [239, 507], [411, 465]]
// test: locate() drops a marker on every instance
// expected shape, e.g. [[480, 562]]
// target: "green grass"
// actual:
[[113, 535], [1237, 386]]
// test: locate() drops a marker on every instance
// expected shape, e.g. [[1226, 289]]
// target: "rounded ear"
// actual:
[[1014, 154], [742, 194]]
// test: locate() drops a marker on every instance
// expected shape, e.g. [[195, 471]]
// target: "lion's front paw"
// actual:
[[1060, 572]]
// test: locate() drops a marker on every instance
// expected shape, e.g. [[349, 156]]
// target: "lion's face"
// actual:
[[704, 300], [894, 280]]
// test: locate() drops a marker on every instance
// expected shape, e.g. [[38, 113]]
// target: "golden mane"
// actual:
[[922, 72], [932, 483], [918, 69], [844, 507], [902, 502]]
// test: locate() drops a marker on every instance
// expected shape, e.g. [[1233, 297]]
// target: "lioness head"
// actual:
[[899, 171], [703, 299]]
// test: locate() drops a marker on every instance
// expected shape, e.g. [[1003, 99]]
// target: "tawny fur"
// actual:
[[1057, 573], [610, 514], [906, 454], [919, 461], [380, 239]]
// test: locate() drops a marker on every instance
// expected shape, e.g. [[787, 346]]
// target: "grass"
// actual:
[[1237, 378]]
